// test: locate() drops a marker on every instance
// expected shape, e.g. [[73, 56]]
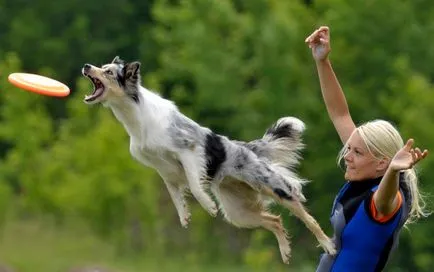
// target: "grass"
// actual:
[[37, 246]]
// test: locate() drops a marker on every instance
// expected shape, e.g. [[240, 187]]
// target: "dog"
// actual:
[[242, 176]]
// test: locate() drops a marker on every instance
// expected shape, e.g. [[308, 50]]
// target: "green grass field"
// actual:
[[32, 246]]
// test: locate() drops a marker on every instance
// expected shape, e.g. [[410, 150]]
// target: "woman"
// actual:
[[381, 193]]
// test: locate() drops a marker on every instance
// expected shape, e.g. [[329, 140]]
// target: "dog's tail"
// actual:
[[281, 146], [284, 141], [281, 143]]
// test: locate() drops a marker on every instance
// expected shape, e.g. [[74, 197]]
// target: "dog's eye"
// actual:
[[109, 72]]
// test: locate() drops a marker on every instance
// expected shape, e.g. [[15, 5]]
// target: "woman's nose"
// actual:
[[348, 156]]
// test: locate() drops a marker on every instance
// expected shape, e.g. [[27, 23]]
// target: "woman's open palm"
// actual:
[[407, 157]]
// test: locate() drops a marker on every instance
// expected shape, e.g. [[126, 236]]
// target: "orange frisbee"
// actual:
[[39, 84]]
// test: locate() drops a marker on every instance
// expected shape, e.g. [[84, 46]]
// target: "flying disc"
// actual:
[[39, 84]]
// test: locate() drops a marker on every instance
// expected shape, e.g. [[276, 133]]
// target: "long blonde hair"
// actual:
[[384, 141]]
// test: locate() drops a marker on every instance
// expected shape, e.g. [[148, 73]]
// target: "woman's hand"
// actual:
[[319, 42], [407, 157]]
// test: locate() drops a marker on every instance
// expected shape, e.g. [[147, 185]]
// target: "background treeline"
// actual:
[[234, 66]]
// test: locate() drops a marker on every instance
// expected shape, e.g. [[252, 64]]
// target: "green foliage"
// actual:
[[234, 66]]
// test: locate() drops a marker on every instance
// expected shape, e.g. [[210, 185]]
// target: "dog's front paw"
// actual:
[[285, 257], [185, 220], [213, 210]]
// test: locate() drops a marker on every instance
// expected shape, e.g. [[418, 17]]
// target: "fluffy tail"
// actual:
[[281, 142], [281, 146]]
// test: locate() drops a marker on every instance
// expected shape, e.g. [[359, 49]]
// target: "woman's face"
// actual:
[[360, 163]]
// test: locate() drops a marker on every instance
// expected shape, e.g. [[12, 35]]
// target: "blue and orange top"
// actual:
[[364, 239]]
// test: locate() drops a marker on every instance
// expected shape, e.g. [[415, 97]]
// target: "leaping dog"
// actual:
[[242, 176]]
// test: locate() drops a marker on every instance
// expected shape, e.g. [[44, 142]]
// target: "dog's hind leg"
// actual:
[[242, 207], [193, 175], [176, 192], [274, 224], [262, 177], [297, 208]]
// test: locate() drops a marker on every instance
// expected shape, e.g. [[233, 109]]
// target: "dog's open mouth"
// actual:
[[98, 89]]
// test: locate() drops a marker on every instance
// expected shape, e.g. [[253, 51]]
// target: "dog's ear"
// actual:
[[118, 60], [132, 69]]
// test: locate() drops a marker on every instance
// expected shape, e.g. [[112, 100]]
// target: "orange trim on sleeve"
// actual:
[[385, 218]]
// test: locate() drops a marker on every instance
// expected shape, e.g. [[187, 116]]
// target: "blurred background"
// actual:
[[71, 197]]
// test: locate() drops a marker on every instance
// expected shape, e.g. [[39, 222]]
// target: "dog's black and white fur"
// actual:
[[242, 176]]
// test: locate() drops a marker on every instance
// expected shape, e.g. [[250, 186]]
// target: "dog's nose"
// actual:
[[87, 67]]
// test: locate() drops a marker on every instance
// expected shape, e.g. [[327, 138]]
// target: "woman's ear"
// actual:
[[382, 165]]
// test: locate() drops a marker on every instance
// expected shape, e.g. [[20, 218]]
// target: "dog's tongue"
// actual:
[[94, 95]]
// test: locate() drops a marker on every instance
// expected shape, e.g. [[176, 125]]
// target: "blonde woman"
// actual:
[[381, 193]]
